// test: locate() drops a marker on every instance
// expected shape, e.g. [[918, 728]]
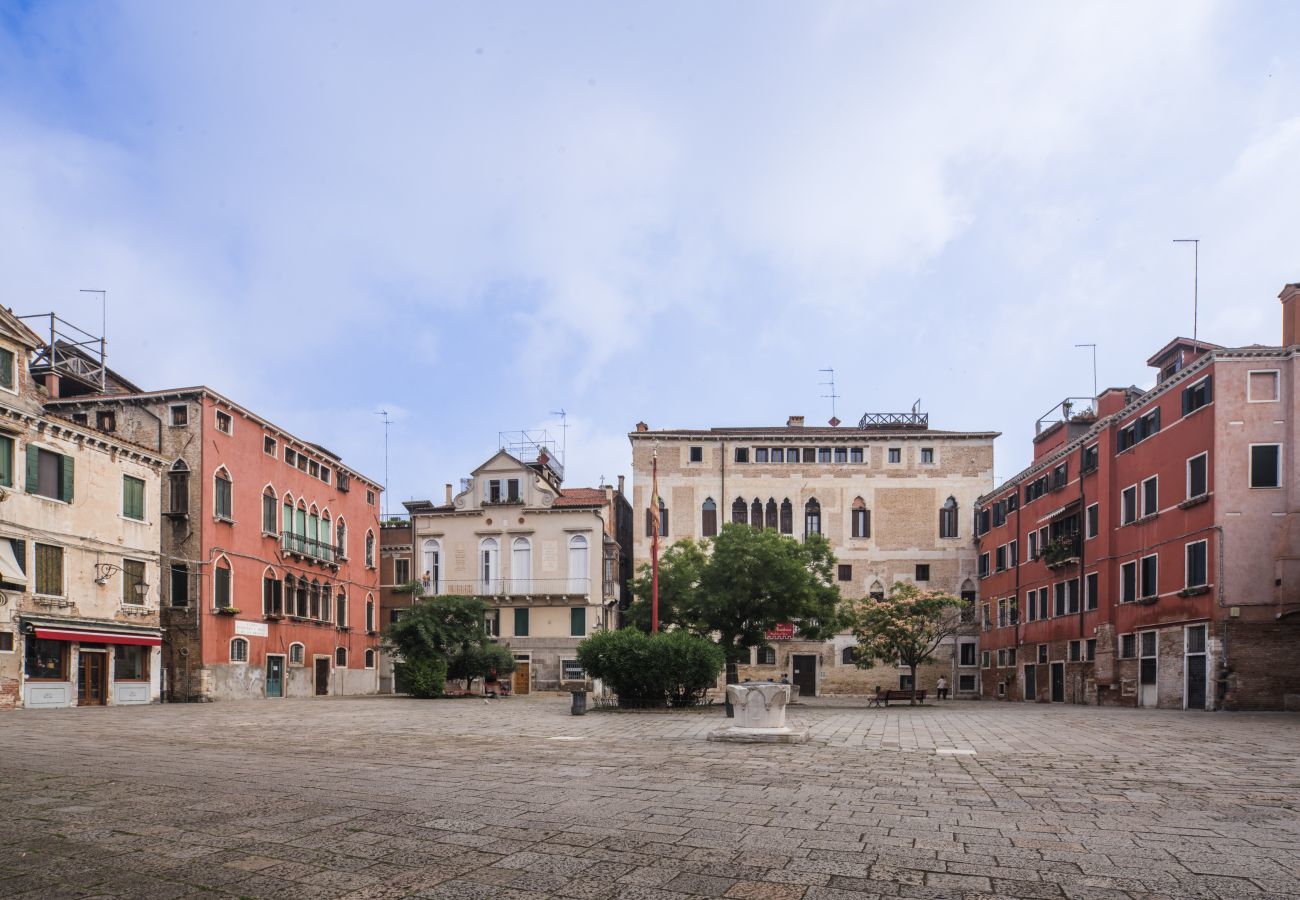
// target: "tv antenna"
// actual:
[[564, 432], [387, 421], [1094, 367], [1196, 277], [103, 320], [832, 396]]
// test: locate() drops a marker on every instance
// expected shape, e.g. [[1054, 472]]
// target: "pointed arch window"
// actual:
[[222, 503], [341, 539], [787, 516], [709, 518], [222, 584], [370, 549], [268, 511], [325, 549], [178, 489], [948, 518], [272, 594], [861, 519], [756, 513], [314, 600], [370, 613], [812, 517], [769, 519], [740, 512]]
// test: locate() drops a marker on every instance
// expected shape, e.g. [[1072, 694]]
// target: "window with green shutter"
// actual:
[[221, 588], [521, 623], [578, 621], [8, 377], [6, 461], [133, 497], [49, 474], [49, 570]]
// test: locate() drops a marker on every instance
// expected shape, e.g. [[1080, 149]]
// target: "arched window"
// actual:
[[314, 599], [740, 512], [370, 658], [877, 591], [272, 594], [756, 513], [846, 656], [268, 511], [222, 584], [296, 653], [578, 571], [302, 597], [787, 516], [313, 531], [812, 517], [178, 484], [341, 610], [769, 520], [767, 656], [286, 521], [300, 528], [370, 549], [521, 565], [238, 650], [489, 571], [861, 519], [432, 576], [341, 539], [341, 657], [222, 504], [948, 518], [326, 549], [709, 518], [370, 613]]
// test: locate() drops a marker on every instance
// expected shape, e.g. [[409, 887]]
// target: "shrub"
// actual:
[[424, 677], [652, 670], [480, 661]]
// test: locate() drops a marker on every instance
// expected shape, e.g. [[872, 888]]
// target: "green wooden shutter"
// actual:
[[521, 622], [33, 469], [577, 621], [7, 369], [66, 487], [6, 461]]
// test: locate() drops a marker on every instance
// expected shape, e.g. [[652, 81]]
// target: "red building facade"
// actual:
[[1150, 555]]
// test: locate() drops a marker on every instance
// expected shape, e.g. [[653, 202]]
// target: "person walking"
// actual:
[[942, 688]]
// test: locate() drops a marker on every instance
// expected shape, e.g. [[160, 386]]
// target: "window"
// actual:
[[1042, 654], [1127, 646], [1002, 613], [133, 498], [812, 517], [948, 518], [1011, 657], [370, 614], [6, 642], [578, 621], [221, 585], [46, 659], [133, 585], [221, 496], [296, 654], [769, 514], [1197, 395], [966, 652], [1058, 608], [1088, 462], [401, 570], [1128, 505], [895, 454], [8, 371], [697, 454], [1198, 483], [1091, 521], [767, 656], [370, 549], [6, 461], [1076, 651], [180, 584], [923, 572], [756, 516], [1033, 545], [290, 456], [742, 454], [988, 618], [1150, 496], [570, 670], [49, 474], [1031, 608], [841, 454], [340, 539], [861, 516], [106, 420], [1013, 554], [341, 657], [760, 454], [49, 570], [1149, 572], [370, 658], [1139, 430], [984, 565], [341, 610], [999, 513], [1197, 573], [521, 622], [927, 455], [845, 572], [984, 659], [268, 512], [1002, 659], [855, 454], [1091, 588], [579, 564], [239, 650], [1265, 465], [224, 423], [130, 663], [823, 454], [272, 595], [432, 566], [1262, 386], [787, 516], [1128, 582], [778, 454], [1042, 603], [1000, 559], [512, 490], [846, 656], [966, 683], [370, 496]]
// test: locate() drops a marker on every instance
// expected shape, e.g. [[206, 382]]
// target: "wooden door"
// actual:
[[1058, 682], [521, 678], [322, 677], [1031, 682], [804, 674], [92, 678]]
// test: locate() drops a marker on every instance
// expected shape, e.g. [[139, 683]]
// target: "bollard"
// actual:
[[579, 707]]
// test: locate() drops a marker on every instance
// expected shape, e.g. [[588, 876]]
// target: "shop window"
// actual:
[[130, 663], [46, 659]]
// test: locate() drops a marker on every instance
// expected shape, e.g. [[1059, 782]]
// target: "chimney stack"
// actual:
[[1290, 298], [449, 495], [620, 485], [642, 427], [794, 422]]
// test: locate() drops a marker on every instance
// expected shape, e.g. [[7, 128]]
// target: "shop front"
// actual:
[[84, 662]]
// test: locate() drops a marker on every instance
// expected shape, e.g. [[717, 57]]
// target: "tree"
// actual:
[[737, 587], [905, 627], [480, 661], [676, 667], [436, 635]]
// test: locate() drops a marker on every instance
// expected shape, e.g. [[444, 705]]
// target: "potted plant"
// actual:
[[226, 611]]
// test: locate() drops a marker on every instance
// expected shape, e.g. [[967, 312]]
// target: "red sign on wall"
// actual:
[[782, 632]]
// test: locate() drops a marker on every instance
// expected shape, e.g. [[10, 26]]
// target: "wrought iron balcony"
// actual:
[[519, 587], [309, 548]]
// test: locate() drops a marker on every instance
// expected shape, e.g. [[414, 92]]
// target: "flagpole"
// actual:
[[654, 547]]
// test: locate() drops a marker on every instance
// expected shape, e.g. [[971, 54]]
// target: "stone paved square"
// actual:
[[390, 797]]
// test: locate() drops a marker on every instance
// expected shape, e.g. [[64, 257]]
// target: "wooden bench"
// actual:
[[903, 697]]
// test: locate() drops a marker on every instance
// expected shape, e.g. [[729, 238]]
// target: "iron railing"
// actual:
[[517, 587], [309, 548]]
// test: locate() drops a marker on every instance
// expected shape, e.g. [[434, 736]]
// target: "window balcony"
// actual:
[[503, 501], [1062, 551], [520, 587], [309, 549]]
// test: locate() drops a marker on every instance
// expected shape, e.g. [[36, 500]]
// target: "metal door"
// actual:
[[1148, 691], [804, 674], [1031, 682], [92, 680], [322, 676], [275, 676], [1058, 682], [1197, 667]]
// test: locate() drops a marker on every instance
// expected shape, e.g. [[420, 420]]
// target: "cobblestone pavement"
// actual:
[[386, 797]]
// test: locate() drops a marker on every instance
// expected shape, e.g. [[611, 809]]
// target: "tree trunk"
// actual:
[[733, 677], [913, 668]]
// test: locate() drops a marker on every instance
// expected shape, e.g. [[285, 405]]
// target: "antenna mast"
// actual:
[[564, 433], [1196, 278], [832, 396], [387, 422]]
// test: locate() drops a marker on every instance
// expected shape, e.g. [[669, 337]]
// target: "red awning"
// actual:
[[98, 637]]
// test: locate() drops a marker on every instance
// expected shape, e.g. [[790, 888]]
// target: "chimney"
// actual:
[[620, 485], [794, 422], [52, 385], [642, 427], [1290, 298], [449, 495]]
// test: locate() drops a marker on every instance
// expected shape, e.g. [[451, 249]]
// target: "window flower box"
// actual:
[[1195, 591], [226, 611]]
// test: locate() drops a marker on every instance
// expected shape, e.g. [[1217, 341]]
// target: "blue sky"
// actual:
[[474, 215]]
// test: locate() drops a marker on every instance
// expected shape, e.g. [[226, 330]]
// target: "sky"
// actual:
[[476, 215]]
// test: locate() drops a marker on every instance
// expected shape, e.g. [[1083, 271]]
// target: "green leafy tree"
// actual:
[[480, 661], [650, 670], [423, 677], [437, 632], [740, 585], [905, 627]]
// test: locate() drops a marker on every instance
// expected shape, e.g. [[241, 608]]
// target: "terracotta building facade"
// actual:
[[892, 496], [1150, 555]]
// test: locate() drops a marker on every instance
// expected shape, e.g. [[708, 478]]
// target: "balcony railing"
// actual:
[[308, 548], [518, 587], [1061, 550]]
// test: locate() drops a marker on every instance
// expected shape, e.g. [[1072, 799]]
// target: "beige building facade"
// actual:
[[79, 549], [546, 560], [893, 498]]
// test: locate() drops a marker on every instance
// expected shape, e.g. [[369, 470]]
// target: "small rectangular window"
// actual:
[[179, 415], [1265, 465], [401, 571], [1198, 476], [965, 683], [823, 454], [221, 500], [1263, 387], [742, 454], [841, 454], [1127, 646], [810, 454], [571, 670], [760, 454], [984, 659], [845, 572], [895, 454], [1128, 505], [221, 588], [1197, 395], [225, 424], [778, 454], [927, 455], [855, 454], [1091, 591], [1076, 651], [8, 371], [180, 585], [49, 474], [1150, 497], [923, 572], [6, 642], [1197, 571], [1149, 580], [1091, 456], [521, 622], [133, 582], [133, 498], [697, 454], [577, 621], [106, 420], [269, 445], [49, 570], [1091, 520], [1128, 582], [6, 461], [967, 654], [1042, 653]]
